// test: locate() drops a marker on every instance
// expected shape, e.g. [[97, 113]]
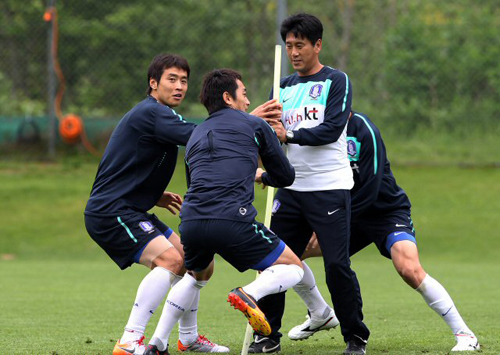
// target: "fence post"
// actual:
[[51, 88]]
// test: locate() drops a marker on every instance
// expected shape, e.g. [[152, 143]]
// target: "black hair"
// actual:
[[302, 25], [164, 61], [215, 84]]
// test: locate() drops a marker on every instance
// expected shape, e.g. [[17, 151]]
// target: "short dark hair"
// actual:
[[164, 61], [302, 25], [215, 83]]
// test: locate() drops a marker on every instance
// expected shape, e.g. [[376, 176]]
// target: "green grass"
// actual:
[[60, 294]]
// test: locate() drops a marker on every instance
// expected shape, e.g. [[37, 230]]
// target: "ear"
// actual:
[[153, 84], [318, 45], [227, 98]]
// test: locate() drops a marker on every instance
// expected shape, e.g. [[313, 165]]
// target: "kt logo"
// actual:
[[307, 115]]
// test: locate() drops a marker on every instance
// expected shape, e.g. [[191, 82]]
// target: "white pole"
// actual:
[[270, 190]]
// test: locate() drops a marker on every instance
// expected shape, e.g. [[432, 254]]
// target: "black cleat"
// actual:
[[264, 345], [355, 346], [153, 350]]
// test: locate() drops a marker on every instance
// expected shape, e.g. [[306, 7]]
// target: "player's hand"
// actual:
[[312, 248], [258, 177], [170, 201], [280, 131], [269, 111]]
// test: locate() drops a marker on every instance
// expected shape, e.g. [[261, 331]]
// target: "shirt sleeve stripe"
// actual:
[[375, 155], [346, 91]]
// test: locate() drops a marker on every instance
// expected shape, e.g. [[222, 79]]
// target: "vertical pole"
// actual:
[[51, 88], [281, 15]]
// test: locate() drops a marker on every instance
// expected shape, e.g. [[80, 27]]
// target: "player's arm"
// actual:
[[171, 128], [280, 173], [370, 165], [337, 111]]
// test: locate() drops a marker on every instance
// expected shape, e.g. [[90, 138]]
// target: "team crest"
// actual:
[[351, 148], [315, 91], [276, 206], [146, 226], [243, 211]]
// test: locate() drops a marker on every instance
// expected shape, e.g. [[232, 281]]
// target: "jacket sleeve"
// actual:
[[279, 171], [171, 128], [337, 111], [371, 166]]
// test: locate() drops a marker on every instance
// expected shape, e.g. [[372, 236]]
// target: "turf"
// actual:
[[61, 295]]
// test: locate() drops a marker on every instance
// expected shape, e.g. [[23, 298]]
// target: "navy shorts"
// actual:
[[124, 237], [384, 231], [242, 244]]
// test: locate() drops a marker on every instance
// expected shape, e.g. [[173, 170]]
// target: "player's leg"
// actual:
[[284, 273], [183, 296], [188, 324], [405, 258], [311, 294], [165, 264], [281, 269], [135, 238], [320, 315], [290, 225], [328, 212]]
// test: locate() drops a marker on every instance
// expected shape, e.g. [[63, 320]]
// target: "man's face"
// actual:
[[241, 101], [303, 55], [172, 87]]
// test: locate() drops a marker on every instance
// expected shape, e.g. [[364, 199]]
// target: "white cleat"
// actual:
[[312, 325], [466, 341]]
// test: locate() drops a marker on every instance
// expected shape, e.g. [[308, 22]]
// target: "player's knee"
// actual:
[[412, 273], [170, 260]]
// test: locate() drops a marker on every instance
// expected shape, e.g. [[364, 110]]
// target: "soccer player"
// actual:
[[217, 216], [131, 179], [316, 106], [381, 214]]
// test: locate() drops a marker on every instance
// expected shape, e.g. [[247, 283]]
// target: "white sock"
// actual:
[[188, 324], [150, 293], [440, 301], [308, 291], [179, 301], [274, 279], [176, 279]]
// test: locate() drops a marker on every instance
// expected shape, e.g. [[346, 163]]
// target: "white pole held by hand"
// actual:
[[270, 190]]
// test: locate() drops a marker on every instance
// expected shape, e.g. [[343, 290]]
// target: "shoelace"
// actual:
[[202, 339]]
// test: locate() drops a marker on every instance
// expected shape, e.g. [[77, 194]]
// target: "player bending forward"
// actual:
[[217, 216], [135, 170], [381, 215]]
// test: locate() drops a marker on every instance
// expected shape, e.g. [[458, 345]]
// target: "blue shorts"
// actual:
[[124, 237], [242, 244], [384, 231]]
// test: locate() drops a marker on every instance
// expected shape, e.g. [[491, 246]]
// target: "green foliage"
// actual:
[[416, 65]]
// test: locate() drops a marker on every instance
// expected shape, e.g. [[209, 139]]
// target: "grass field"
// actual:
[[60, 294]]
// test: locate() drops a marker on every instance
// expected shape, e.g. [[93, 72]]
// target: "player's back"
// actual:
[[221, 158], [375, 186]]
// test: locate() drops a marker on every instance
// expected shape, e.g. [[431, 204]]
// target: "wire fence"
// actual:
[[414, 64]]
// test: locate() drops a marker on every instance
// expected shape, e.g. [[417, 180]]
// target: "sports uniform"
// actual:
[[381, 210], [316, 109], [134, 171], [381, 214], [217, 215]]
